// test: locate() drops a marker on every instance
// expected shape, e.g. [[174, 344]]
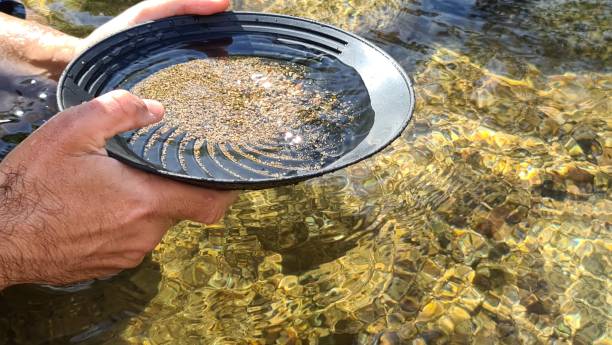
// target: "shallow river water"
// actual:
[[487, 222]]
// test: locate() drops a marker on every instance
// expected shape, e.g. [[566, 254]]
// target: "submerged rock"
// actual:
[[353, 15], [459, 238], [487, 222]]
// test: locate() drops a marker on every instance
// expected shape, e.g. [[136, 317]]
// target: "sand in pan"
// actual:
[[239, 100]]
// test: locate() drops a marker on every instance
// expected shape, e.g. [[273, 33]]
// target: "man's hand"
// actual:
[[68, 212], [152, 10], [32, 48]]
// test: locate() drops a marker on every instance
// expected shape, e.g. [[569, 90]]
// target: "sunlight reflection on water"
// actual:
[[487, 222]]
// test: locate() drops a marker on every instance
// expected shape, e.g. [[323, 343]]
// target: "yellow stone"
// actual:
[[431, 311], [446, 324], [458, 314]]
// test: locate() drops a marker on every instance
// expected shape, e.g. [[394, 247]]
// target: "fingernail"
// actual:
[[155, 108]]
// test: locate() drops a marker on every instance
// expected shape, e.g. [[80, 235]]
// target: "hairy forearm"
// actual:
[[8, 262], [8, 219], [14, 212], [21, 200], [6, 228], [32, 47], [5, 263]]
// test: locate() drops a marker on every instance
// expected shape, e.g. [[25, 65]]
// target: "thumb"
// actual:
[[96, 121]]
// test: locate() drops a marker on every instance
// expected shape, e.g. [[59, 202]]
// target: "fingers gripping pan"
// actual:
[[252, 100]]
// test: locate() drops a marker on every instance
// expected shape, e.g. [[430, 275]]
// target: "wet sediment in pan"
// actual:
[[272, 112]]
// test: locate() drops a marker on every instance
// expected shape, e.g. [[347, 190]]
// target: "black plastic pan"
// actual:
[[384, 104]]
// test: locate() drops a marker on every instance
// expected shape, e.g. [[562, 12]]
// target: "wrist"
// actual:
[[6, 267], [62, 54], [45, 49], [53, 51], [10, 264]]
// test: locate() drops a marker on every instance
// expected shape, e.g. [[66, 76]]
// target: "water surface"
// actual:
[[487, 222]]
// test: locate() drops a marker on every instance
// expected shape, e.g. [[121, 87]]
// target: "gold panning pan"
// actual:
[[252, 100]]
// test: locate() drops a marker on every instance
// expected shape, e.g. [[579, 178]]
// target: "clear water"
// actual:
[[487, 222]]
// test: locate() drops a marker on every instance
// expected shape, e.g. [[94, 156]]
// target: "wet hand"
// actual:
[[68, 212], [30, 48], [152, 10]]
